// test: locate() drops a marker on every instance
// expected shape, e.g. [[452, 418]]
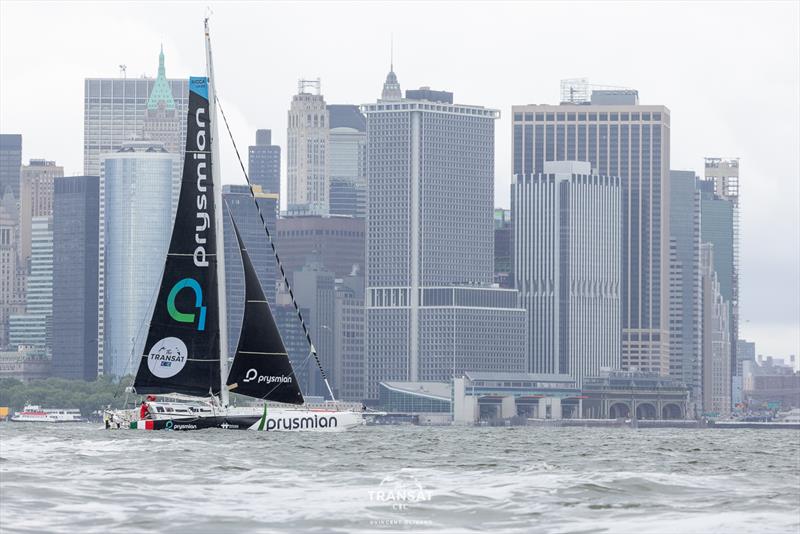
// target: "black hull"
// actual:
[[198, 423]]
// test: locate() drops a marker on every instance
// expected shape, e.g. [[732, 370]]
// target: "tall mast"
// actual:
[[216, 183]]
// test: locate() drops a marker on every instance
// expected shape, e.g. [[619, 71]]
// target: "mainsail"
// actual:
[[261, 367], [182, 352]]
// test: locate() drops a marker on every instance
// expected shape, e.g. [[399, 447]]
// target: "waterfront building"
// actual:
[[264, 163], [307, 160], [36, 198], [239, 203], [12, 274], [10, 163], [431, 310], [33, 328], [716, 359], [136, 228], [25, 364], [629, 395], [76, 205], [503, 248], [347, 153], [619, 137], [115, 111], [567, 268], [685, 282], [337, 243]]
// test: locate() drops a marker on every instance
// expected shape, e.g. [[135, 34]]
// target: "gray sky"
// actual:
[[729, 72]]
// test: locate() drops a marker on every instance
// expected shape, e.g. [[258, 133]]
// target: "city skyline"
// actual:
[[738, 95]]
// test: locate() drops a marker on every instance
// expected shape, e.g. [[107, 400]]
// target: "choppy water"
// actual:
[[79, 479]]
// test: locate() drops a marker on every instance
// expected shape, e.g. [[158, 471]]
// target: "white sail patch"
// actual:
[[167, 357]]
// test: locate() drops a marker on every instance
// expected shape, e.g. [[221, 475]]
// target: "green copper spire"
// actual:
[[161, 89]]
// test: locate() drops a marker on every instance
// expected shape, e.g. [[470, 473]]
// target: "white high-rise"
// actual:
[[307, 163], [568, 268]]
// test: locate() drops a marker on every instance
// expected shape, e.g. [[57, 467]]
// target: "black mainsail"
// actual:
[[182, 351], [261, 367]]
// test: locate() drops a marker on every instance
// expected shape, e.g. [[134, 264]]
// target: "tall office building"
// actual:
[[12, 292], [431, 310], [137, 225], [307, 151], [745, 352], [76, 205], [567, 267], [716, 338], [10, 163], [33, 328], [314, 289], [619, 137], [264, 163], [718, 216], [238, 203], [335, 242], [685, 282], [115, 110], [36, 198], [724, 174], [347, 155], [348, 370]]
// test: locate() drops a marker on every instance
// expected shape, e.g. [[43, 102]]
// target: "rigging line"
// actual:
[[275, 252]]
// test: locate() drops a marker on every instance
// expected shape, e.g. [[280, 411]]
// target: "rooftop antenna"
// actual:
[[123, 71], [391, 52]]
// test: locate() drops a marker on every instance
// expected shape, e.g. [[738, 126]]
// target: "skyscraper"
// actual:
[[76, 204], [685, 297], [12, 292], [36, 198], [716, 339], [264, 163], [33, 328], [718, 214], [314, 290], [238, 203], [137, 227], [347, 154], [307, 151], [724, 174], [619, 137], [567, 267], [431, 310], [115, 110], [10, 163], [348, 369]]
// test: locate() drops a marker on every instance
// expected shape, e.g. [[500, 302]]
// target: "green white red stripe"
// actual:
[[142, 425]]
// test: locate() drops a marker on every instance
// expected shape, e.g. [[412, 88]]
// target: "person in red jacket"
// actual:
[[144, 411]]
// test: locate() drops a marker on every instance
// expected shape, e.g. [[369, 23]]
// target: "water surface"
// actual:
[[79, 478]]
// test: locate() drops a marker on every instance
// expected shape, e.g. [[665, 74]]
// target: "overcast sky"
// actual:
[[729, 73]]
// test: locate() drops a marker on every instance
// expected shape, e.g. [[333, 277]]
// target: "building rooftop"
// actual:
[[437, 390]]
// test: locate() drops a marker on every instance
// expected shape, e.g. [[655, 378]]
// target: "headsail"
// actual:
[[182, 349], [261, 367]]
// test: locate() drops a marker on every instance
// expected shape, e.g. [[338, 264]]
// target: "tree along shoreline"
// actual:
[[88, 397]]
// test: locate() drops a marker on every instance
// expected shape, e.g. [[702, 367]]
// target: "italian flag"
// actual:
[[142, 425]]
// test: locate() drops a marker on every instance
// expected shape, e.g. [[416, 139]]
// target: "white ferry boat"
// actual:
[[35, 414]]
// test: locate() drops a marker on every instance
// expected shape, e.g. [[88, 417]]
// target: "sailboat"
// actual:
[[185, 358]]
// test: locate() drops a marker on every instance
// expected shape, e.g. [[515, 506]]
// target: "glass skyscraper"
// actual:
[[10, 163], [76, 204], [619, 137], [33, 327], [138, 226], [347, 155], [264, 163]]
